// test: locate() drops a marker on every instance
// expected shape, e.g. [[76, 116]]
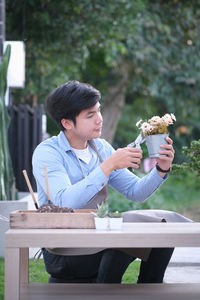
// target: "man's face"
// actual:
[[88, 123]]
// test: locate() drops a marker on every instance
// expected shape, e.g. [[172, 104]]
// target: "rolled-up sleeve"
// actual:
[[135, 188], [62, 191]]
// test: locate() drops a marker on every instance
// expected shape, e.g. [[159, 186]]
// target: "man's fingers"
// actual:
[[167, 152], [169, 140], [134, 166]]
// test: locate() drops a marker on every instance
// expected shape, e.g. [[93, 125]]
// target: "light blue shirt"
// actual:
[[66, 183]]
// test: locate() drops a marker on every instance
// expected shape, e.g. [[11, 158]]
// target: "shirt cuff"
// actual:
[[154, 172]]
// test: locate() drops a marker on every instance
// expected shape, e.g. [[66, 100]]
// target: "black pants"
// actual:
[[107, 266]]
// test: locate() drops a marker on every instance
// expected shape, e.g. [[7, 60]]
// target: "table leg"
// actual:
[[12, 269], [24, 265]]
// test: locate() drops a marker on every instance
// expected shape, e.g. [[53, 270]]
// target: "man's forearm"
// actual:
[[107, 167]]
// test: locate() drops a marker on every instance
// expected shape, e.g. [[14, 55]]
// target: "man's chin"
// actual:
[[97, 135]]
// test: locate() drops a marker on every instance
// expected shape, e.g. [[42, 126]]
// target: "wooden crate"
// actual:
[[81, 218]]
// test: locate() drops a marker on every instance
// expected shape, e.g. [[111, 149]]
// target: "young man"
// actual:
[[80, 165]]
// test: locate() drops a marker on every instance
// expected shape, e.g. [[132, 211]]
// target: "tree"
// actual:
[[58, 36], [138, 53], [163, 70]]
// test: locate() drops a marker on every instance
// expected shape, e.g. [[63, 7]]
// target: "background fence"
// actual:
[[25, 133]]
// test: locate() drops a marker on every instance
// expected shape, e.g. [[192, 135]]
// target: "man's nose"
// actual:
[[99, 118]]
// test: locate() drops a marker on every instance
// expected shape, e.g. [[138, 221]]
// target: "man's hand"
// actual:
[[122, 158], [165, 162]]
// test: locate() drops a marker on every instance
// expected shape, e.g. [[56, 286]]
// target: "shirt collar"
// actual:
[[63, 141], [65, 145]]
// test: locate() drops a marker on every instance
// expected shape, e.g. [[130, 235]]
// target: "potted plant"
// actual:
[[101, 216], [115, 220], [6, 172], [155, 132]]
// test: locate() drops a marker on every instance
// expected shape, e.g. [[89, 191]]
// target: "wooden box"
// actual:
[[81, 218]]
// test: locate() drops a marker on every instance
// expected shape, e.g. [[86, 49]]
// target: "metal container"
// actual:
[[153, 143]]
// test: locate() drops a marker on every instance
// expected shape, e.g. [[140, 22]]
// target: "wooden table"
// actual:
[[18, 242]]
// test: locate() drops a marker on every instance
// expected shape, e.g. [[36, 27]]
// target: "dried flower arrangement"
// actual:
[[156, 125]]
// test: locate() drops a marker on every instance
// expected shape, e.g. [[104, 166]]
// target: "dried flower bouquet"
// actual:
[[156, 125], [155, 132]]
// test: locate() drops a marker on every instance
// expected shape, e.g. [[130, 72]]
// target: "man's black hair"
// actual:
[[69, 99]]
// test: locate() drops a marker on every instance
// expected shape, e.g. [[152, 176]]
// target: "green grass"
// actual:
[[37, 273], [131, 274]]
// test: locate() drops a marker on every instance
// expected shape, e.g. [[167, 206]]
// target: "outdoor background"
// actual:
[[142, 55], [144, 58]]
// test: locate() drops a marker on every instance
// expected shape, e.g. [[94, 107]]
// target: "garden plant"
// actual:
[[7, 189]]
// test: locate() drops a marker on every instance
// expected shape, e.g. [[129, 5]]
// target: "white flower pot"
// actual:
[[101, 223], [153, 143], [115, 223]]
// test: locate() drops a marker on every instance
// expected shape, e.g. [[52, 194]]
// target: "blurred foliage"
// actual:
[[192, 154], [88, 40], [165, 76], [58, 36]]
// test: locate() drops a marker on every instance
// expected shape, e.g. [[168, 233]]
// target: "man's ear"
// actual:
[[67, 124]]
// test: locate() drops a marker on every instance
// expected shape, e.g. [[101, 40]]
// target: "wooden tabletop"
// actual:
[[131, 235]]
